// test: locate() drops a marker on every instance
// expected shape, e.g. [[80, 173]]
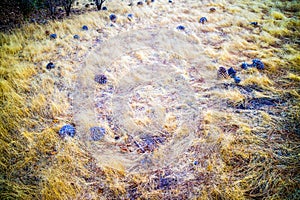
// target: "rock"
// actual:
[[255, 24], [180, 27], [104, 8], [50, 65], [130, 17], [76, 37], [244, 65], [113, 18], [212, 9], [231, 72], [255, 63], [67, 130], [53, 36], [237, 80], [203, 20], [101, 79], [140, 3], [97, 133], [258, 64], [170, 1], [196, 162], [85, 28]]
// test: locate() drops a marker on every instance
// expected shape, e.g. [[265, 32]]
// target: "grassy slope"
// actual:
[[253, 155]]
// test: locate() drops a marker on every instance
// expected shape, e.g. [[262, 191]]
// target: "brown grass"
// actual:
[[240, 153]]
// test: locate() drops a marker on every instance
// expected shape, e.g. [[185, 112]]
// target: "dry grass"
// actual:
[[241, 153]]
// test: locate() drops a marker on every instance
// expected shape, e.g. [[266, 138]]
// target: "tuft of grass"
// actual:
[[66, 177], [294, 60], [259, 80], [277, 15], [293, 77], [233, 96]]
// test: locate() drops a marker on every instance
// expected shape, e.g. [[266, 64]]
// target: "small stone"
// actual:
[[53, 36], [212, 9], [258, 64], [231, 72], [254, 23], [244, 65], [237, 80], [104, 8], [196, 162], [50, 65], [117, 137], [129, 17], [203, 20], [85, 28], [180, 27], [101, 79], [97, 133], [113, 18], [67, 130], [76, 37], [170, 1], [140, 3]]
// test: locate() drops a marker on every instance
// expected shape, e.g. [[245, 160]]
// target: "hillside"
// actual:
[[152, 108]]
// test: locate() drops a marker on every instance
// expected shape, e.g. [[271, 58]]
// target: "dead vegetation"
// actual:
[[245, 145]]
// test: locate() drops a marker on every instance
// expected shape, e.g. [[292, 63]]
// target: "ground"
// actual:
[[173, 128]]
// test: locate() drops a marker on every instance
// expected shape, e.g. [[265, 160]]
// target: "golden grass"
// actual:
[[258, 79], [242, 155], [294, 77]]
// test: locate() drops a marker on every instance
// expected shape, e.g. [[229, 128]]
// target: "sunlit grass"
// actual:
[[243, 155]]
